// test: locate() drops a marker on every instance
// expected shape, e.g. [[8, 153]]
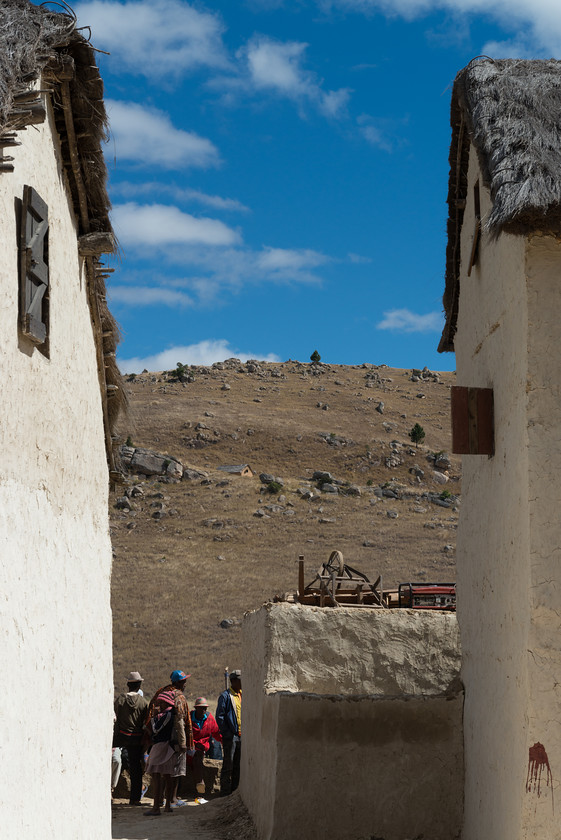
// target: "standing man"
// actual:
[[229, 720], [130, 713]]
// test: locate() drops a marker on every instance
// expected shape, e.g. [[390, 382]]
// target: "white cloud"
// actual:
[[147, 136], [358, 259], [203, 353], [277, 67], [284, 259], [540, 19], [203, 276], [155, 38], [372, 133], [149, 296], [518, 47], [403, 320], [127, 189], [159, 226]]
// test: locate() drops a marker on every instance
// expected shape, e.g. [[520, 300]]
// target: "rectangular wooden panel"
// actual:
[[473, 426]]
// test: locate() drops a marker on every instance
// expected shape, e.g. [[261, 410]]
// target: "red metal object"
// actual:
[[427, 596]]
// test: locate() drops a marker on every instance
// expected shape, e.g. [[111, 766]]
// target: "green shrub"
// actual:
[[129, 441], [315, 357], [274, 487]]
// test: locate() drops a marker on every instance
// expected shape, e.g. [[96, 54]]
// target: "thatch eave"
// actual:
[[510, 111]]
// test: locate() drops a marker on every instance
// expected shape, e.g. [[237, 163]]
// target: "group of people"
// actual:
[[162, 736]]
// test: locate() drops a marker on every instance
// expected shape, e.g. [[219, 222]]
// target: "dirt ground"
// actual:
[[218, 819]]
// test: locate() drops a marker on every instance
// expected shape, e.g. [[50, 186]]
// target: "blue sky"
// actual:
[[278, 170]]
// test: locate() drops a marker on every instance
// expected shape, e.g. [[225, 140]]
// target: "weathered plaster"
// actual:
[[353, 723], [54, 543], [508, 339]]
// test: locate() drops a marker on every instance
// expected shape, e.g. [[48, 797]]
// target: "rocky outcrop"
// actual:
[[147, 462]]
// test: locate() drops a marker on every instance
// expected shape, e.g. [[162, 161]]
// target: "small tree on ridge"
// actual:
[[417, 434]]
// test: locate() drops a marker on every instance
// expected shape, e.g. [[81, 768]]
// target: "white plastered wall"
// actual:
[[352, 723], [543, 278], [55, 553], [500, 530]]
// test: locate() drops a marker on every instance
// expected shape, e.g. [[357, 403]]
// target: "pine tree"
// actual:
[[315, 357], [417, 434]]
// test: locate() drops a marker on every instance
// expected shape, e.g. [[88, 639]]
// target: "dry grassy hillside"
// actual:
[[210, 557]]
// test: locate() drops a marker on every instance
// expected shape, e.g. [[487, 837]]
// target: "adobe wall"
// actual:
[[507, 544], [55, 552], [543, 387], [352, 723]]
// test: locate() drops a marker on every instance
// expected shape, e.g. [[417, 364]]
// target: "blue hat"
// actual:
[[178, 676]]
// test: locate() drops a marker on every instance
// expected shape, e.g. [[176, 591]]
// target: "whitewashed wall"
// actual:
[[508, 518], [55, 553], [352, 723]]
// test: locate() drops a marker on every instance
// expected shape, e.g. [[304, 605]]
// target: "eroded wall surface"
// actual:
[[508, 534], [352, 723], [55, 553]]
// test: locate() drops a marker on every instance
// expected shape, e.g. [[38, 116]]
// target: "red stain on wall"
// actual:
[[537, 760]]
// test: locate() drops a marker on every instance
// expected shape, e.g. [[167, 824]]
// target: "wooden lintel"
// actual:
[[96, 243]]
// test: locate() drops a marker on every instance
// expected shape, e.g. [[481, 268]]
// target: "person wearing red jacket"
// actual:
[[204, 728]]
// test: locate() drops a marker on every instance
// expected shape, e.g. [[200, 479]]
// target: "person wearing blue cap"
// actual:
[[169, 725]]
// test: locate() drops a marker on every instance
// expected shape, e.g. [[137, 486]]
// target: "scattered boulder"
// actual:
[[147, 462], [392, 514], [392, 462], [193, 474], [213, 523], [380, 407], [417, 471], [440, 478], [320, 475], [228, 623], [442, 462]]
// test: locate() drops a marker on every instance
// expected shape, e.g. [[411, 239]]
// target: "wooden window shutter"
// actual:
[[477, 231], [34, 267], [473, 428]]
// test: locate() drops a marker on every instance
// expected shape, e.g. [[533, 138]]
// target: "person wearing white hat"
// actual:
[[130, 714], [204, 728]]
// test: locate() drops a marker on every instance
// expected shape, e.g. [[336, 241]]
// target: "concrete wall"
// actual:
[[507, 518], [55, 553], [352, 723]]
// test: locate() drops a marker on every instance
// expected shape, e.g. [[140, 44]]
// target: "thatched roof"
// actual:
[[510, 110], [38, 43]]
